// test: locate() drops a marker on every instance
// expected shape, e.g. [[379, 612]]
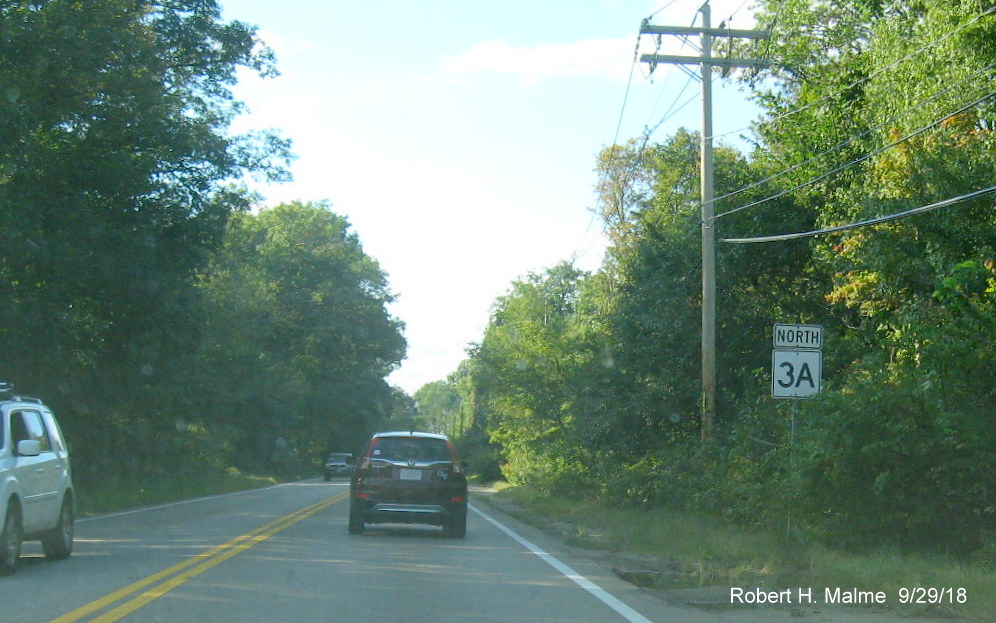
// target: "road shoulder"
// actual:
[[658, 579]]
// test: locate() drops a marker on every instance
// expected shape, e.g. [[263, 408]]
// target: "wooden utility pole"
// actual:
[[706, 64]]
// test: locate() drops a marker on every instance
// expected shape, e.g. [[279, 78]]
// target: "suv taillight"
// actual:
[[457, 467]]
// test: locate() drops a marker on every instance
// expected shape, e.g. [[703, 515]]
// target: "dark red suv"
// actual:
[[409, 477]]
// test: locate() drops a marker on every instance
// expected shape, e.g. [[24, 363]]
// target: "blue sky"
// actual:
[[460, 137]]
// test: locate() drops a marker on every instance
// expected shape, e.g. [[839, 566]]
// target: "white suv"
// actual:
[[36, 488]]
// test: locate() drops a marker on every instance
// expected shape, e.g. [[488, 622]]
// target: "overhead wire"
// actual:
[[881, 219], [940, 204], [851, 139], [672, 111], [685, 40], [851, 163], [773, 28], [873, 221], [737, 10], [860, 81], [578, 253], [663, 8], [660, 96]]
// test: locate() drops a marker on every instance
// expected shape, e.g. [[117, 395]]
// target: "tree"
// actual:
[[526, 374], [440, 408], [908, 123], [298, 331], [873, 108], [115, 172]]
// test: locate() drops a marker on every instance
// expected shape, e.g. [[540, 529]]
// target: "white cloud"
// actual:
[[610, 58]]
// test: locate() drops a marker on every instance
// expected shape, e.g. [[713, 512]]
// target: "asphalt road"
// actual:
[[283, 554]]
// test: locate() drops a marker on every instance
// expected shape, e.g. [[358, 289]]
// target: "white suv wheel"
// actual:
[[10, 540]]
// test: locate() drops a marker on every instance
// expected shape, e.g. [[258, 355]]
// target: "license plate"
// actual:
[[411, 474]]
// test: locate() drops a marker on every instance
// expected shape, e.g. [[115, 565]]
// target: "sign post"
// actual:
[[796, 372]]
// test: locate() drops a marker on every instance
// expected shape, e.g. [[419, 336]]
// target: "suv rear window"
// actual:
[[411, 449]]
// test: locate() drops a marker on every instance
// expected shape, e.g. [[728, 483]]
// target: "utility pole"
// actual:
[[706, 64]]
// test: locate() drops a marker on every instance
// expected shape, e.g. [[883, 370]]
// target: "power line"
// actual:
[[622, 111], [666, 6], [852, 139], [671, 111], [629, 83], [875, 221], [870, 76], [842, 167], [578, 253], [686, 40], [774, 27], [660, 96], [737, 10]]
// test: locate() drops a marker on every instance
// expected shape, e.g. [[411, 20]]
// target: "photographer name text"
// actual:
[[848, 596]]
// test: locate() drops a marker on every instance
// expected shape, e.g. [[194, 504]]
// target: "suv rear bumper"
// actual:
[[373, 511]]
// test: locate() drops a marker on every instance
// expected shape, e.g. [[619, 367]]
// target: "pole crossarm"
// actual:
[[650, 29], [657, 59]]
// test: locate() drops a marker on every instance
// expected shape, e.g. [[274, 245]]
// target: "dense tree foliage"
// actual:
[[119, 263], [591, 382], [440, 408], [297, 326], [174, 330]]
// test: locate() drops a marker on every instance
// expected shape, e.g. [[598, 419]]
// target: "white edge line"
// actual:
[[595, 590]]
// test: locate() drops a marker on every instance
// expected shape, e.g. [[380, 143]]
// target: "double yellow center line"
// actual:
[[168, 579]]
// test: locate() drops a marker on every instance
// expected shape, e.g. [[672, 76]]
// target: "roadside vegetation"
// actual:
[[179, 331], [679, 550], [879, 123]]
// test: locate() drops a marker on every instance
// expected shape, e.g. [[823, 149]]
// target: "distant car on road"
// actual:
[[37, 501], [338, 464], [409, 477]]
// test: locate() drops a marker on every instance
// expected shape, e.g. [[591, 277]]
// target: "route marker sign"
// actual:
[[796, 361], [796, 373]]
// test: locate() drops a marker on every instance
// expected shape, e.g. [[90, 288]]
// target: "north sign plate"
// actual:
[[798, 336]]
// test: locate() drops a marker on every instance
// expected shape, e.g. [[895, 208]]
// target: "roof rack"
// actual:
[[7, 393]]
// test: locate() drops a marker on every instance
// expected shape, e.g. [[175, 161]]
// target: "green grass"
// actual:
[[714, 552], [122, 494]]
